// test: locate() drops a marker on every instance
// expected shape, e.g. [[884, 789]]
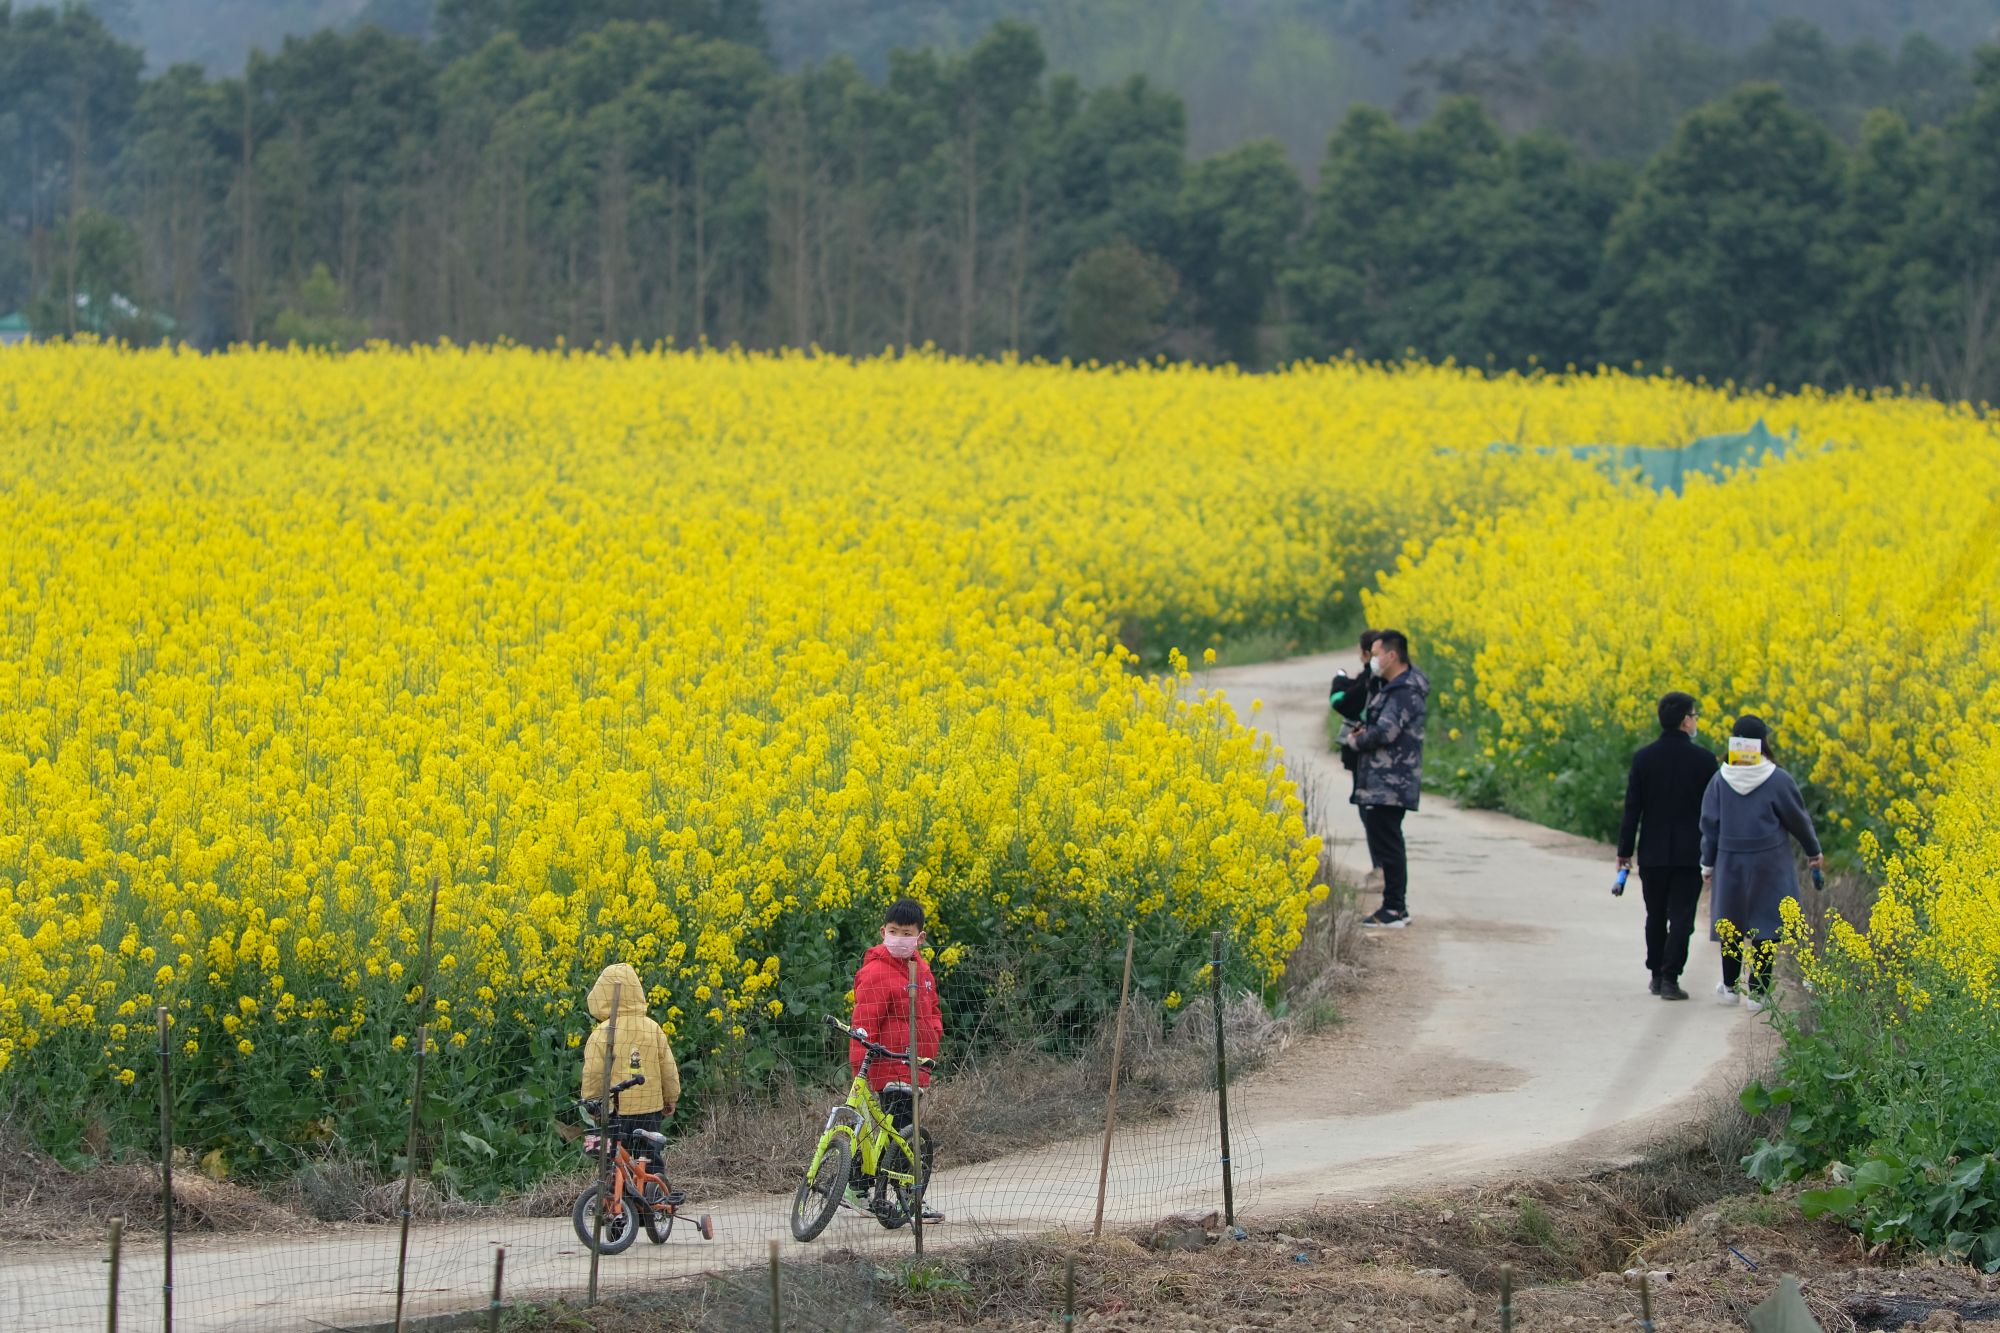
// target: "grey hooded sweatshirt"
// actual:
[[1750, 815]]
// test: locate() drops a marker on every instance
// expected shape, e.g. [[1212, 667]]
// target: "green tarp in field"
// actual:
[[1667, 467], [1784, 1311]]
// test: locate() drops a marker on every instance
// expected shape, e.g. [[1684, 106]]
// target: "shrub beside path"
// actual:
[[1508, 1029]]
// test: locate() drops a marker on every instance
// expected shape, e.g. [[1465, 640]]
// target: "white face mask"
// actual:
[[1375, 664]]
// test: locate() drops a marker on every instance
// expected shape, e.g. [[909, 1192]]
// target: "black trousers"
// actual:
[[1761, 954], [650, 1121], [1671, 894], [1384, 827], [901, 1105]]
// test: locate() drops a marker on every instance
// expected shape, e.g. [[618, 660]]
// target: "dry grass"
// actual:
[[1419, 1265], [1007, 1101], [43, 1201]]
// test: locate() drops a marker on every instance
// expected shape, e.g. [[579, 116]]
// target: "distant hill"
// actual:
[[1290, 68], [219, 34], [1246, 68]]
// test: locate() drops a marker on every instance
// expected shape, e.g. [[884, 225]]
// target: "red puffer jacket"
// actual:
[[882, 1006]]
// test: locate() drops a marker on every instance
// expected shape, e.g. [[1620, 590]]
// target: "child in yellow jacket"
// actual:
[[642, 1049]]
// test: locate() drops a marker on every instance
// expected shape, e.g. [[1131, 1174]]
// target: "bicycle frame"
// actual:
[[629, 1171], [868, 1128]]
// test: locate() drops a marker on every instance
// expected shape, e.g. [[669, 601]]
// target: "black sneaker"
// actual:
[[1671, 990], [1387, 918], [1653, 987]]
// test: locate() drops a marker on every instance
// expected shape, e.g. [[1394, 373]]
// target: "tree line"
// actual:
[[629, 171]]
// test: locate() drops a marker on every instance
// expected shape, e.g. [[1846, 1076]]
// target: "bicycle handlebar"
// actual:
[[593, 1106], [868, 1043]]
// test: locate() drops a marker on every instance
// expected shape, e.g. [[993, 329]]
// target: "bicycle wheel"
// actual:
[[659, 1213], [820, 1193], [901, 1204], [621, 1227]]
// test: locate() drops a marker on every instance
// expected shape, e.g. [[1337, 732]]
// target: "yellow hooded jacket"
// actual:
[[636, 1032]]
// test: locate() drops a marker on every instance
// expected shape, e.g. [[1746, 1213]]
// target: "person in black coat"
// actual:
[[1663, 817], [1348, 697]]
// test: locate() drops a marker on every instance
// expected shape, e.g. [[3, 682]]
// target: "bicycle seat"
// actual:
[[649, 1136], [897, 1087]]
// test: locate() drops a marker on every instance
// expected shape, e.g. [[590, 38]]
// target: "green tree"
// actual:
[[339, 127], [1885, 236], [67, 91], [90, 289], [172, 182], [1957, 250], [1235, 219], [1115, 300], [463, 26], [1370, 273], [318, 317], [1720, 264], [1521, 285]]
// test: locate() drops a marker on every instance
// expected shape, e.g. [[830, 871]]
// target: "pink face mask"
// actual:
[[901, 946]]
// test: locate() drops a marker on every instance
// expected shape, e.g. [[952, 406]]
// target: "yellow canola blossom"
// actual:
[[1936, 918], [1849, 594], [686, 660]]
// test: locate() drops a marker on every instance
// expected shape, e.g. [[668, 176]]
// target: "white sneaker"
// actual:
[[1724, 995], [1753, 1004]]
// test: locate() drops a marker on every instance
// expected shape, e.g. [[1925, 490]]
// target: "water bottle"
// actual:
[[1618, 884], [1819, 880]]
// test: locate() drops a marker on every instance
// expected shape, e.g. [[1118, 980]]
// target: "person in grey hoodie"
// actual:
[[1750, 816]]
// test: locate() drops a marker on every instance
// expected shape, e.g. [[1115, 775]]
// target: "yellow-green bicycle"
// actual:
[[860, 1133]]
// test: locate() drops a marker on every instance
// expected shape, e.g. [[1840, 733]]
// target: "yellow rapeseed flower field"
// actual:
[[686, 660], [1849, 594], [694, 660]]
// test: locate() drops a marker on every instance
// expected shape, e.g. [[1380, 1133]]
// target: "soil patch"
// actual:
[[1574, 1250]]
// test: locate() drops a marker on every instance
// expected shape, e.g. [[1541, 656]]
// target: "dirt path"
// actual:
[[1507, 1029]]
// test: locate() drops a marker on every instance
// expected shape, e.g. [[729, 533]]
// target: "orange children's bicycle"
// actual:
[[640, 1193]]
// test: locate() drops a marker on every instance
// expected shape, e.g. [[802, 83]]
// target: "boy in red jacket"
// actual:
[[882, 1010]]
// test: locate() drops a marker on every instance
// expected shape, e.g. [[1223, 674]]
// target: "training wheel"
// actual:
[[706, 1227]]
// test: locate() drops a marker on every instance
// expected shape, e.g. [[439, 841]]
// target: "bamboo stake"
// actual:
[[166, 1173], [1221, 1079], [117, 1239], [416, 1103], [777, 1322], [604, 1138], [1111, 1100], [410, 1171], [493, 1306], [916, 1121]]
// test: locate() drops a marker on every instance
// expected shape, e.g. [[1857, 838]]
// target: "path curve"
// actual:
[[1508, 1027], [1507, 1030]]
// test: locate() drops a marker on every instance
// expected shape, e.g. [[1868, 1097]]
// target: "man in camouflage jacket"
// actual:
[[1388, 773]]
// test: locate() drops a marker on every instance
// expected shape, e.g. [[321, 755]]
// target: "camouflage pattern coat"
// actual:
[[1390, 743]]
